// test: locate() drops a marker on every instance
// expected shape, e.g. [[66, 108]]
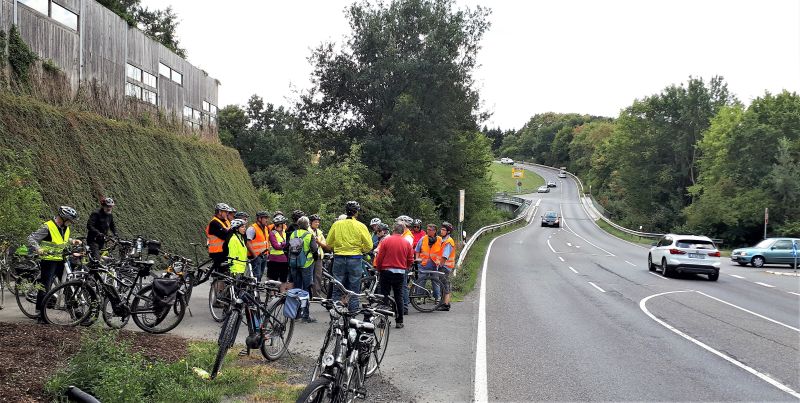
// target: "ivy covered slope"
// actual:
[[165, 185]]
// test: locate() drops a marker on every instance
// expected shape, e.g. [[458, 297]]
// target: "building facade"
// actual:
[[91, 44]]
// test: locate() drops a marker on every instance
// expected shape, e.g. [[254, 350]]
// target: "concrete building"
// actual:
[[91, 44]]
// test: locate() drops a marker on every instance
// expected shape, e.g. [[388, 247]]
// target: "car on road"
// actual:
[[543, 189], [551, 219], [551, 184], [675, 254], [562, 174], [508, 161], [768, 251]]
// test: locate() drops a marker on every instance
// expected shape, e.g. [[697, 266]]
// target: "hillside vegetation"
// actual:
[[165, 185]]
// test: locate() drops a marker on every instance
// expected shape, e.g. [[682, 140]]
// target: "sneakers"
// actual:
[[309, 319], [399, 326], [443, 307]]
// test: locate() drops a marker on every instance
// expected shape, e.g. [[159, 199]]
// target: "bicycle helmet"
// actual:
[[262, 213], [314, 217], [449, 227], [352, 207], [67, 213], [417, 223], [405, 220], [375, 221], [297, 214], [222, 207], [243, 215], [279, 219], [383, 227], [107, 202], [237, 223]]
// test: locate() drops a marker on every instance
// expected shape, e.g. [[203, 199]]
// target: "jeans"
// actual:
[[50, 270], [393, 282], [425, 277], [347, 269], [405, 291], [258, 265], [303, 277]]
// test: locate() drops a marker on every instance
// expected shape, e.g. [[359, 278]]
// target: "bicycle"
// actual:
[[422, 297], [269, 330], [28, 284], [351, 351]]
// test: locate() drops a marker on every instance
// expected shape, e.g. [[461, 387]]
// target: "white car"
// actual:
[[543, 189], [508, 161], [674, 254]]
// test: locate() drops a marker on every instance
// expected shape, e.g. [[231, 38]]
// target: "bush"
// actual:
[[20, 199]]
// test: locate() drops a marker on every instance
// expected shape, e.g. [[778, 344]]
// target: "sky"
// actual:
[[583, 56]]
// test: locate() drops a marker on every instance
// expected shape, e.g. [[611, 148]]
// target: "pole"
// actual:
[[766, 220]]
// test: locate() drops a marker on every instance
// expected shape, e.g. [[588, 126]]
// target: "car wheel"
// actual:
[[650, 264], [713, 277], [758, 262], [665, 270]]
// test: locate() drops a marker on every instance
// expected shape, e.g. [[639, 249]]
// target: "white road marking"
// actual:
[[586, 240], [793, 293], [630, 263], [577, 246], [765, 284], [576, 272], [561, 258], [750, 312], [595, 286], [569, 244], [773, 382], [736, 275], [551, 246], [658, 275]]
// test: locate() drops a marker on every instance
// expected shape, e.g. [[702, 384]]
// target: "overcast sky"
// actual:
[[592, 56]]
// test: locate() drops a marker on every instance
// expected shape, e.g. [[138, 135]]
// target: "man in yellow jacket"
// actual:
[[350, 240]]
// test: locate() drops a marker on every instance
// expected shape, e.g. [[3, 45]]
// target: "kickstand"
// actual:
[[190, 311]]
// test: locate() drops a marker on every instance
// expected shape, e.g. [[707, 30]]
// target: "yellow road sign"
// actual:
[[517, 173]]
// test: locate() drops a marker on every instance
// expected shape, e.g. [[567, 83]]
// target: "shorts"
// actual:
[[445, 279]]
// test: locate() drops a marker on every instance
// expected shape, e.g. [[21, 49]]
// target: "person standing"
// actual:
[[416, 231], [316, 220], [236, 247], [216, 234], [406, 221], [374, 225], [429, 251], [49, 242], [99, 224], [447, 263], [303, 250], [257, 239], [278, 265], [393, 261], [350, 240]]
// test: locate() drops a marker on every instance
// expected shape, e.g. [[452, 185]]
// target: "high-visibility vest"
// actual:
[[259, 243], [237, 254], [428, 252], [450, 261], [408, 236], [281, 239], [214, 242], [52, 250]]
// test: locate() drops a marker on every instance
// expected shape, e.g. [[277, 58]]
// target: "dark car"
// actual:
[[551, 219]]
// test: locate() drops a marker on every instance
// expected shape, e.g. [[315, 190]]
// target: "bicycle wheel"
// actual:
[[382, 326], [68, 304], [318, 391], [278, 331], [219, 303], [115, 320], [227, 337], [422, 297], [156, 319], [25, 290]]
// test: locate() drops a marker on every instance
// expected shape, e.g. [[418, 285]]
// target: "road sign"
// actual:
[[794, 248], [461, 205], [517, 173]]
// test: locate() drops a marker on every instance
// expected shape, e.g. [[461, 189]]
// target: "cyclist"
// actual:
[[407, 222], [278, 264], [429, 251], [293, 224], [350, 240], [302, 264], [99, 224], [271, 226], [416, 231], [316, 220], [393, 262], [257, 239], [48, 242], [242, 215], [230, 214], [383, 232], [217, 232], [447, 263], [374, 225], [235, 245]]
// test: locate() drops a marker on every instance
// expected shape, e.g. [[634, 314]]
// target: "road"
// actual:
[[573, 314]]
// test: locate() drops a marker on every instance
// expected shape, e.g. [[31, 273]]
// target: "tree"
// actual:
[[158, 24]]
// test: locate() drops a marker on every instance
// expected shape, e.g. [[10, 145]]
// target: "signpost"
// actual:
[[517, 173], [794, 253], [461, 213], [766, 220]]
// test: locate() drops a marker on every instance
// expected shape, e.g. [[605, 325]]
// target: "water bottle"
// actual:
[[139, 245]]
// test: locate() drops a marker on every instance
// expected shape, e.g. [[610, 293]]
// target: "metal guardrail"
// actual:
[[526, 215]]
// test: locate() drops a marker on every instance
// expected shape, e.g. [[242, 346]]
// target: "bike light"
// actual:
[[328, 360], [238, 301]]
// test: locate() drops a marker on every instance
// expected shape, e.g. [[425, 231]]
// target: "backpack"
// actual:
[[296, 304], [298, 257]]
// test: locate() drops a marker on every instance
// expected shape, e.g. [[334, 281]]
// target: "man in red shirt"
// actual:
[[393, 260]]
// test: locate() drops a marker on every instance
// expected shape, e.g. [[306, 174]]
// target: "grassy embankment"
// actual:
[[501, 176], [165, 184]]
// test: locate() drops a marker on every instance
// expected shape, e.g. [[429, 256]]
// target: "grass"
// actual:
[[639, 240], [467, 275], [107, 368], [501, 176]]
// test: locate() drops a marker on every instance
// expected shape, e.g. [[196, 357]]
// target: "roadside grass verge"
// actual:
[[467, 275], [503, 182], [639, 240], [107, 367]]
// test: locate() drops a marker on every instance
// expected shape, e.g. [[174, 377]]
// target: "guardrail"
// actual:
[[526, 215]]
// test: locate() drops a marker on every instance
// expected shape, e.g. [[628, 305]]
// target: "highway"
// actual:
[[573, 314]]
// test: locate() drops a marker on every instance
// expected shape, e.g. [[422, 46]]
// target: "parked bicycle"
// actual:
[[424, 297]]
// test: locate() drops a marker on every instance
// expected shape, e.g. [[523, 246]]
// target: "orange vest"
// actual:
[[259, 243], [215, 243], [450, 261], [427, 252]]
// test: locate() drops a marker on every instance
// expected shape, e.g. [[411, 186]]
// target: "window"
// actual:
[[177, 77], [783, 244], [213, 120], [38, 5], [187, 112], [150, 97], [196, 115], [206, 106], [149, 79], [133, 72], [213, 109], [64, 16], [164, 70], [133, 90]]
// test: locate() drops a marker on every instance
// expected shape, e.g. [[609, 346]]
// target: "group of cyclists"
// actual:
[[289, 250]]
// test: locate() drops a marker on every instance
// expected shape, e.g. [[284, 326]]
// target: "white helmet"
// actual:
[[237, 223], [375, 221], [405, 220]]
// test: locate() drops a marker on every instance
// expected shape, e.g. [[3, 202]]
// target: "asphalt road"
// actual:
[[573, 314]]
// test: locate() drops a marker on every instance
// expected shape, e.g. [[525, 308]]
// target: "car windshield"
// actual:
[[550, 214], [764, 244], [695, 244]]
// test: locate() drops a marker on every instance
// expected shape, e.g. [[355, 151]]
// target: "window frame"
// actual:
[[155, 79], [64, 11]]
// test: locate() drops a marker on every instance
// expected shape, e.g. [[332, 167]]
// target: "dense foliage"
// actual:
[[158, 24]]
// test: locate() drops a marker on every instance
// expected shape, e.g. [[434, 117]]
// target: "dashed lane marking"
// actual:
[[595, 286], [561, 258], [737, 276], [576, 272], [765, 284], [632, 264], [793, 293], [658, 275]]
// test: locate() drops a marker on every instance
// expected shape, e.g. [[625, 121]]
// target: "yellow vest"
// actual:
[[237, 254], [281, 239], [57, 243]]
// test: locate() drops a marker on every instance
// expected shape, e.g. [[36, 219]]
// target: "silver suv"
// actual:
[[675, 254]]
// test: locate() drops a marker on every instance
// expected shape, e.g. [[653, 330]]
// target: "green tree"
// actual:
[[20, 200]]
